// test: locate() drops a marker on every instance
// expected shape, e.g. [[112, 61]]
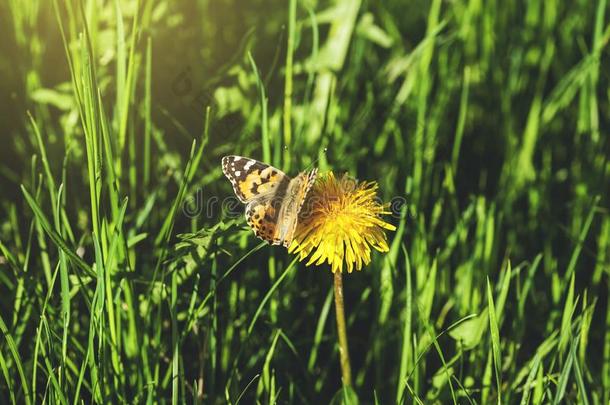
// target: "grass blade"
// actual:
[[495, 341]]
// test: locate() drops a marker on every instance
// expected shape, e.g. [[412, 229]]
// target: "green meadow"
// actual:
[[128, 273]]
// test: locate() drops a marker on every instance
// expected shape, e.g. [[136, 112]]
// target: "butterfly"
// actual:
[[273, 200]]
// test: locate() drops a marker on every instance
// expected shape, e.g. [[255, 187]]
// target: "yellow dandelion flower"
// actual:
[[340, 223]]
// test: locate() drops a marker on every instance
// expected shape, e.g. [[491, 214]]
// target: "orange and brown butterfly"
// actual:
[[273, 200]]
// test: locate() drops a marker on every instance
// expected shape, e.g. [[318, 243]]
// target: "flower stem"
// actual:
[[346, 370]]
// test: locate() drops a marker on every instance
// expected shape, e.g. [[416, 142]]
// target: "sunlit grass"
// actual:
[[484, 124]]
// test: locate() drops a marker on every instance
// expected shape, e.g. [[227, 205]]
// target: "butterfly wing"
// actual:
[[252, 179], [262, 216], [262, 187], [291, 207], [273, 200], [309, 180]]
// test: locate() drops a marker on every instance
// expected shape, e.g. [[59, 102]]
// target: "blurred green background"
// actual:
[[126, 279]]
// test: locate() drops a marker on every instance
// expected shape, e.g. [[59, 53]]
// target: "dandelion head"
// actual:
[[340, 223]]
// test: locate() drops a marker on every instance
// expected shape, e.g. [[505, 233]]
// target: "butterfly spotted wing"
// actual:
[[252, 179], [273, 200], [260, 187]]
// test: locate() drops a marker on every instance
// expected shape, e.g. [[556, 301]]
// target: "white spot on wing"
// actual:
[[237, 173], [248, 165]]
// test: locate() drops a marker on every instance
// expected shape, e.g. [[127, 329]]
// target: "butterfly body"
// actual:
[[273, 199]]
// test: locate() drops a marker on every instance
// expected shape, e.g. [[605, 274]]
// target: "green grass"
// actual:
[[489, 119]]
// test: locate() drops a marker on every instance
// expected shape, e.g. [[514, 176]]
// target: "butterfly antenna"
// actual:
[[309, 166]]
